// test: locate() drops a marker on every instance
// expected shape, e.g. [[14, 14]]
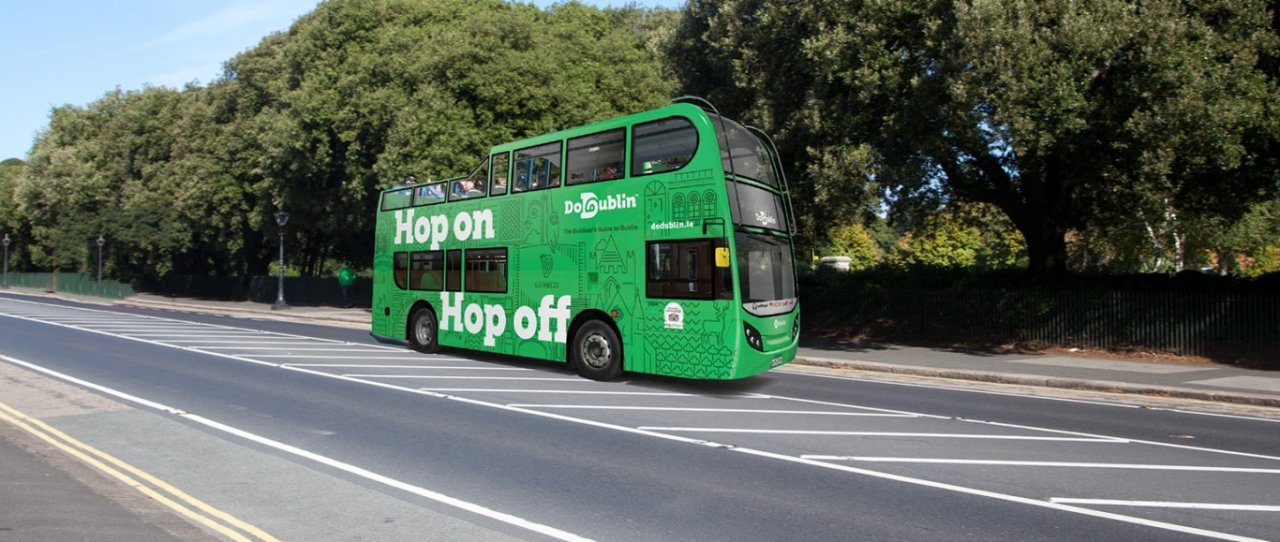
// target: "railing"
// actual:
[[1230, 327], [71, 283]]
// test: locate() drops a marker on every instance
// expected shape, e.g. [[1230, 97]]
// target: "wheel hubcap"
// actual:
[[596, 351], [423, 331]]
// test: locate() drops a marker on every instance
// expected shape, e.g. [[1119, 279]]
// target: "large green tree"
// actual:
[[355, 96], [1061, 113]]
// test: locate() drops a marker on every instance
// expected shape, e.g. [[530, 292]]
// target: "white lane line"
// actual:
[[324, 460], [564, 392], [460, 377], [1065, 464], [383, 358], [801, 372], [728, 410], [876, 434], [1165, 504], [249, 335], [427, 367], [349, 349], [267, 340], [1047, 430]]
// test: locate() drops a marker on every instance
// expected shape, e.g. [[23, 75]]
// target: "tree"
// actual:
[[971, 236], [355, 96], [856, 242], [1063, 114]]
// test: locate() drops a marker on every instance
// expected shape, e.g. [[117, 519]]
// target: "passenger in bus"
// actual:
[[460, 187], [499, 185]]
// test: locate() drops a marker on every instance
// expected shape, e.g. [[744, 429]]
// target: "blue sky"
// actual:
[[57, 52]]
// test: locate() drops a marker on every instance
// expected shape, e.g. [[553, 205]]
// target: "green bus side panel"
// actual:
[[559, 246]]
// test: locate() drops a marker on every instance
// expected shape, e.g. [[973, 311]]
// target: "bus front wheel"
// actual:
[[423, 332], [597, 351]]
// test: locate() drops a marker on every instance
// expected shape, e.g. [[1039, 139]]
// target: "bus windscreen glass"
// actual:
[[766, 274]]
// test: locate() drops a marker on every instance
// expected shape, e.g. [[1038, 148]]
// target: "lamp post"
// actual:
[[282, 218], [6, 242], [101, 242]]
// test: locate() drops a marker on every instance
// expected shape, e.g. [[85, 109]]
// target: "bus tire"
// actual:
[[597, 351], [424, 333]]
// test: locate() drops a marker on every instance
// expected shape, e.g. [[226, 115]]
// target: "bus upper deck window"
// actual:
[[662, 145]]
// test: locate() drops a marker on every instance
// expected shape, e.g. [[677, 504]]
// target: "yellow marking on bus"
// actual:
[[104, 461]]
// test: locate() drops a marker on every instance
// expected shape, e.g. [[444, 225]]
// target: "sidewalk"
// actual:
[[1207, 382]]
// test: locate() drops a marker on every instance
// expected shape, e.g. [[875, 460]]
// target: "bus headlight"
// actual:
[[795, 328], [753, 337]]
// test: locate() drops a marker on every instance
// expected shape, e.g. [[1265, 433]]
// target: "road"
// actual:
[[319, 433]]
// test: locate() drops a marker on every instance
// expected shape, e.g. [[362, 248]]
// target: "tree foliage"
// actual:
[[856, 242], [353, 97], [1065, 115]]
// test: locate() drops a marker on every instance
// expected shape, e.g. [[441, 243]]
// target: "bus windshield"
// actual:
[[766, 274], [742, 153]]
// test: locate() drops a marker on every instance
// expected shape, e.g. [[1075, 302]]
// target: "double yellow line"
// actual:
[[167, 495]]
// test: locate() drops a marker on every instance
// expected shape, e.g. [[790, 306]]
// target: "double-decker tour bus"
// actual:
[[659, 242]]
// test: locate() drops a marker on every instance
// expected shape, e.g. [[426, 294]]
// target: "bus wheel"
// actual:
[[597, 351], [423, 331]]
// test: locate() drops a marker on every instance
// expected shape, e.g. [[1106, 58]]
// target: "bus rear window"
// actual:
[[397, 199], [663, 145]]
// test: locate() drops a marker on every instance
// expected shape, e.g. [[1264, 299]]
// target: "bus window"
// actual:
[[472, 186], [537, 167], [487, 270], [397, 199], [596, 157], [425, 195], [426, 271], [501, 169], [453, 271], [681, 269], [664, 145], [401, 269]]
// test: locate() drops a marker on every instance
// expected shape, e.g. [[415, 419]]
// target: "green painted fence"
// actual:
[[71, 283]]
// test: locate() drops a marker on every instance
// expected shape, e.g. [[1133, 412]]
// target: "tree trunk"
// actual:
[[1046, 246]]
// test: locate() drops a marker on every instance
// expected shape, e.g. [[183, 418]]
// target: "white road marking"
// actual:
[[565, 392], [1165, 504], [352, 350], [726, 410], [878, 434], [324, 460], [463, 377], [431, 367], [1065, 464]]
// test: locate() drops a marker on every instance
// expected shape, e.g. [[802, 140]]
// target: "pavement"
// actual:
[[42, 496]]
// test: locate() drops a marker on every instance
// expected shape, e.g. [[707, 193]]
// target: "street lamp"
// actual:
[[6, 242], [282, 218], [101, 242]]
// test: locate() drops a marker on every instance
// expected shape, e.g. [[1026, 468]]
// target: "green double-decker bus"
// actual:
[[659, 242]]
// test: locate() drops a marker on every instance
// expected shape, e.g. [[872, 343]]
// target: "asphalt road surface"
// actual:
[[305, 432]]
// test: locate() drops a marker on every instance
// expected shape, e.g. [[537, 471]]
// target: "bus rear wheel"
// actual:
[[597, 351], [423, 332]]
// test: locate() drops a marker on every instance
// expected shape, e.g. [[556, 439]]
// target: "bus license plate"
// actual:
[[776, 362]]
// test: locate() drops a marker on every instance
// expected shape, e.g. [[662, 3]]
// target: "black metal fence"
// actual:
[[312, 291], [1237, 327]]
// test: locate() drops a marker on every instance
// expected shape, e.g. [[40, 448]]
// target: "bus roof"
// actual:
[[683, 109]]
